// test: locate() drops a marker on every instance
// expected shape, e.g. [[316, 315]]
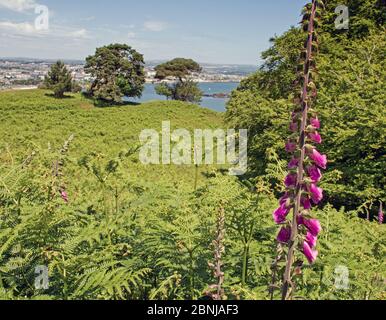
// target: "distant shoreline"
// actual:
[[147, 82], [18, 88], [198, 81]]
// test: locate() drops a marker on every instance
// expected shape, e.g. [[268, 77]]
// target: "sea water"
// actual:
[[217, 104]]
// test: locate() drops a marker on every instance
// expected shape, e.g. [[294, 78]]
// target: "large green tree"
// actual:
[[118, 71], [180, 71], [351, 104], [58, 79]]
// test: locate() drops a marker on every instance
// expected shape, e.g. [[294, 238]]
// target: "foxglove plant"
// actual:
[[306, 162], [218, 252], [219, 249], [58, 169], [381, 216]]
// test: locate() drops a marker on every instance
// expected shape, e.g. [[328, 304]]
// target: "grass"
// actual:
[[33, 119], [144, 233]]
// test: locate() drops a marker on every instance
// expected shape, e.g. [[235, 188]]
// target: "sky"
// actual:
[[209, 31]]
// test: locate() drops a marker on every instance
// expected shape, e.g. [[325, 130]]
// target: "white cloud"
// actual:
[[19, 5], [87, 19], [127, 26], [28, 30], [131, 34], [17, 27], [155, 26], [82, 33]]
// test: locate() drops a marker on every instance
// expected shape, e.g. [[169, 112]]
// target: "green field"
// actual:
[[131, 231], [32, 119]]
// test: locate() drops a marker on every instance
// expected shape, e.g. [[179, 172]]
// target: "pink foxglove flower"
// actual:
[[314, 173], [291, 147], [281, 214], [310, 254], [381, 216], [319, 159], [316, 193], [315, 137], [291, 180], [306, 203], [308, 175], [293, 164], [64, 196], [313, 225], [315, 123], [284, 235], [311, 239], [284, 198]]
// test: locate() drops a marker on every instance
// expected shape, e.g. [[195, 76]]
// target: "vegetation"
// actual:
[[350, 83], [118, 71], [58, 79], [75, 199], [299, 227], [184, 89]]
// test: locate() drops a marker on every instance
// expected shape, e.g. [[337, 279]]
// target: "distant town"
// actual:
[[24, 73]]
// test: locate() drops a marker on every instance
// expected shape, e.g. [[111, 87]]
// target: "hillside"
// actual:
[[123, 230], [32, 119]]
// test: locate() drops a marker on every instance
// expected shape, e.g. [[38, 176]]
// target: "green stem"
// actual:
[[191, 275], [245, 265], [196, 178], [116, 196], [107, 212]]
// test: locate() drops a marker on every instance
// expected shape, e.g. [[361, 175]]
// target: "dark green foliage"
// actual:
[[365, 16], [351, 99], [184, 89], [58, 79], [177, 68], [118, 71], [164, 89]]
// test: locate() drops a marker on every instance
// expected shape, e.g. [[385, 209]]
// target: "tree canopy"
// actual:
[[351, 100], [58, 79], [184, 89], [179, 68], [118, 70]]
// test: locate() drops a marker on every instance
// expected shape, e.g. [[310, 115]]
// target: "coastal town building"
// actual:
[[25, 73]]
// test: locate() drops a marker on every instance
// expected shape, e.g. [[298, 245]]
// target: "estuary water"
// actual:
[[217, 104]]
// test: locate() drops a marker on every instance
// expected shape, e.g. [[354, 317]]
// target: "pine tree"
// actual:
[[59, 79]]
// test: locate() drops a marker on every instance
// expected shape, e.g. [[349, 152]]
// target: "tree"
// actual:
[[58, 79], [350, 101], [76, 87], [184, 89], [118, 71], [164, 90]]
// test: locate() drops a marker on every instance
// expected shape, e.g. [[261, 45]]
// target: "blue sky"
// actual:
[[213, 31]]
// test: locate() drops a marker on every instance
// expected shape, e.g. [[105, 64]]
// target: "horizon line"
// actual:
[[150, 60]]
